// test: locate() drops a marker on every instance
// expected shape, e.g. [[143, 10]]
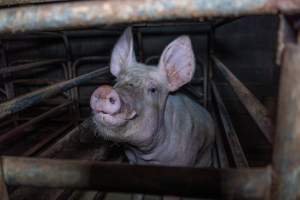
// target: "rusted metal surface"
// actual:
[[286, 35], [29, 66], [237, 152], [19, 132], [286, 161], [255, 108], [65, 140], [3, 190], [226, 183], [86, 13], [32, 98], [35, 148], [23, 2]]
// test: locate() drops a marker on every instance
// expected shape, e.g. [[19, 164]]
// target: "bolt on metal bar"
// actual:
[[286, 160], [106, 176], [256, 109], [89, 13], [234, 144], [29, 65], [37, 96]]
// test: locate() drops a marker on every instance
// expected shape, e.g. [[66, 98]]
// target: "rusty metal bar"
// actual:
[[226, 183], [18, 132], [24, 2], [3, 190], [29, 65], [32, 98], [46, 140], [238, 154], [85, 14], [60, 144], [256, 109], [286, 161]]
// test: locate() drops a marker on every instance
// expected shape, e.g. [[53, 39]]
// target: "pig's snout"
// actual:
[[106, 100]]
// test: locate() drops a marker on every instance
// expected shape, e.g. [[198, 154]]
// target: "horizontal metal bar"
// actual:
[[256, 109], [85, 14], [19, 132], [35, 97], [24, 2], [29, 65], [234, 144], [105, 176]]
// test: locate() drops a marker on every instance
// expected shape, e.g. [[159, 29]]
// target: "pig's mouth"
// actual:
[[114, 120]]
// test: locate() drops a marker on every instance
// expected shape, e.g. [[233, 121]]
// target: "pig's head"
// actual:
[[132, 110]]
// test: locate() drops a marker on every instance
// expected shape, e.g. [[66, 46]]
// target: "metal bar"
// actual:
[[3, 190], [256, 109], [223, 22], [29, 66], [234, 144], [85, 14], [286, 162], [24, 2], [19, 132], [46, 140], [60, 144], [105, 176], [37, 96]]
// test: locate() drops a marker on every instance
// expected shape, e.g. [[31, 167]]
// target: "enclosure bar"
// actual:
[[37, 96], [35, 148], [255, 108], [29, 65], [24, 2], [234, 144], [197, 182], [89, 13], [18, 132], [64, 141], [3, 189], [286, 160]]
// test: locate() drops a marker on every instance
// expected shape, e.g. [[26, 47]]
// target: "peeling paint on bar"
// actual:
[[35, 97], [85, 14]]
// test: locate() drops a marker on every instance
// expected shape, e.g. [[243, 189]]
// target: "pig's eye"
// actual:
[[152, 90]]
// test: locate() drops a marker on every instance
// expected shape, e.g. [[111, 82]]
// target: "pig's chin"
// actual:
[[114, 120]]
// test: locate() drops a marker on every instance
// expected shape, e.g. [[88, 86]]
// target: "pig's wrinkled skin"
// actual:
[[155, 124]]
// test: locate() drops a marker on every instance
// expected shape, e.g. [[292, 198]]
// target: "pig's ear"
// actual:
[[177, 62], [123, 53]]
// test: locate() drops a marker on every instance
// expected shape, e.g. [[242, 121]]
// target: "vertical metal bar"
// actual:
[[3, 190], [231, 136], [140, 46], [286, 159]]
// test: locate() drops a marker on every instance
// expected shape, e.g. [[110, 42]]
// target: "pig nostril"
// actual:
[[112, 100]]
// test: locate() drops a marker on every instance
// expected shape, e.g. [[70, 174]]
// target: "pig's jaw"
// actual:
[[114, 120]]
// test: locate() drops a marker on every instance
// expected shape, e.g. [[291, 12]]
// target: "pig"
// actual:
[[143, 111]]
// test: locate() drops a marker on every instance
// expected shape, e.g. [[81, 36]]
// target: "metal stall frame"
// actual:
[[278, 181]]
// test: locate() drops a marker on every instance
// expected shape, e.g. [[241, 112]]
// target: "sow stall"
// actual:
[[54, 53]]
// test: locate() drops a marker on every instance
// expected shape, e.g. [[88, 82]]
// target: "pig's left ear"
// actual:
[[177, 62], [123, 53]]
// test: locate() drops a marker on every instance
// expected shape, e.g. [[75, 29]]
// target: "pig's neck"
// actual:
[[147, 152]]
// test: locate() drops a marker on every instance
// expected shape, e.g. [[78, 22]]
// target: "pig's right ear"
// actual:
[[123, 53]]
